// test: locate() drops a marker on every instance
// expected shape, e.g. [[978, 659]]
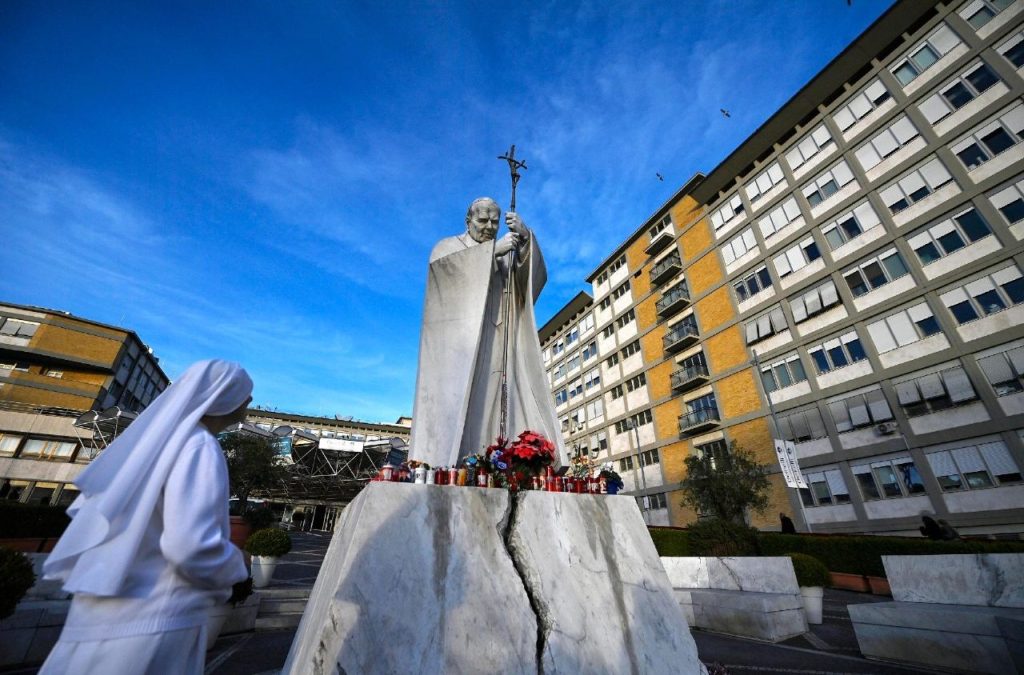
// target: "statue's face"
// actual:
[[482, 223]]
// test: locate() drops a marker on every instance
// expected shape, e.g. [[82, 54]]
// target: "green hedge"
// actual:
[[23, 521], [862, 554], [854, 554]]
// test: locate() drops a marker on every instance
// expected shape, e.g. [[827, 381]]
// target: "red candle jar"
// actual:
[[453, 477], [387, 472], [481, 478], [441, 476]]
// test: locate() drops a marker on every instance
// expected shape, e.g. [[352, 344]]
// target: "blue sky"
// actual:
[[263, 181]]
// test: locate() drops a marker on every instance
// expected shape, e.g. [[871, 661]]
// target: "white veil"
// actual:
[[121, 488]]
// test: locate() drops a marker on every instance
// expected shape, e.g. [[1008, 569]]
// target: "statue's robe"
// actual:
[[457, 410]]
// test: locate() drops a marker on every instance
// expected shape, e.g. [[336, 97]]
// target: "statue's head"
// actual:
[[482, 219]]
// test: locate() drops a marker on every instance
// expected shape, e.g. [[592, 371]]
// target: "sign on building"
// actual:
[[786, 452]]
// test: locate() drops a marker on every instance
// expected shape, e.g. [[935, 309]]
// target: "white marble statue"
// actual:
[[457, 409]]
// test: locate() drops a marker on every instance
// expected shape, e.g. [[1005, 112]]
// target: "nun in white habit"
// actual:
[[147, 553]]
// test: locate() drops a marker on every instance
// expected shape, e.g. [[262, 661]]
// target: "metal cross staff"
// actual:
[[513, 165]]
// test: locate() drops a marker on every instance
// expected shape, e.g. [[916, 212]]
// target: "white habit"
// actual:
[[458, 384]]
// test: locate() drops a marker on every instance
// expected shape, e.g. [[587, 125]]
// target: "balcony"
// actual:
[[696, 421], [689, 377], [660, 241], [681, 336], [674, 299], [666, 269]]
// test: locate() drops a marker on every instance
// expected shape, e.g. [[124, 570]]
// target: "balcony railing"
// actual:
[[660, 241], [673, 300], [698, 420], [682, 335], [666, 269], [689, 377]]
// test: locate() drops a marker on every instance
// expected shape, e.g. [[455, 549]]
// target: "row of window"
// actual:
[[38, 493], [36, 448]]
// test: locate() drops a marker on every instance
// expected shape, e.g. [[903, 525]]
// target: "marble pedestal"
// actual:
[[432, 579]]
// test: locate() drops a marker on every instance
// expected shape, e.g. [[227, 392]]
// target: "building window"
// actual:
[[739, 246], [634, 383], [850, 225], [625, 319], [626, 464], [915, 186], [925, 54], [958, 92], [21, 366], [605, 303], [47, 449], [634, 421], [608, 331], [53, 372], [949, 235], [837, 352], [1010, 202], [988, 295], [886, 142], [825, 488], [1013, 50], [993, 138], [815, 301], [616, 392], [612, 269], [9, 444], [620, 291], [600, 441], [765, 325], [12, 490], [876, 272], [783, 373], [828, 184], [802, 425], [592, 379], [573, 363], [935, 391], [561, 397], [590, 351], [17, 328], [558, 348], [572, 336], [974, 466], [558, 373], [980, 12], [730, 210], [779, 217], [659, 226], [888, 479], [1004, 371], [796, 257], [809, 146], [630, 349], [576, 388], [587, 324], [649, 458], [656, 501], [764, 182], [862, 103], [905, 327], [715, 452], [757, 281], [595, 409], [612, 360], [860, 410]]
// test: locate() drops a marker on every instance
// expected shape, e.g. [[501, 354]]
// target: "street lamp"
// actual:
[[631, 424]]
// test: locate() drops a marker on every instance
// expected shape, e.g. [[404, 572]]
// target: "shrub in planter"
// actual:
[[670, 542], [809, 570], [269, 543], [16, 577], [717, 537]]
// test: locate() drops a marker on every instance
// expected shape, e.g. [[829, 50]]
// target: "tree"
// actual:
[[253, 465], [724, 485]]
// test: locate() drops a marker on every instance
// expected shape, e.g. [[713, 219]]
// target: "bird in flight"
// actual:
[[659, 176], [725, 113]]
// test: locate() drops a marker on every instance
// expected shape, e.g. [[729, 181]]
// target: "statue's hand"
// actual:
[[515, 223], [506, 244]]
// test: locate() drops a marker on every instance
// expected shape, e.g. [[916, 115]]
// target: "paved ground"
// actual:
[[830, 649]]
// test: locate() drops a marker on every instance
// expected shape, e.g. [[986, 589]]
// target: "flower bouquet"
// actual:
[[519, 462], [611, 479]]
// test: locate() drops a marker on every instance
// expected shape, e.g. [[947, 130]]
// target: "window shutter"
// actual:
[[968, 459], [996, 368], [908, 393], [881, 337], [903, 129], [902, 329], [958, 385], [931, 386], [920, 312], [942, 464], [878, 406], [791, 209], [859, 412], [944, 39], [829, 295], [814, 423], [998, 458], [836, 484], [935, 173], [842, 173], [934, 108]]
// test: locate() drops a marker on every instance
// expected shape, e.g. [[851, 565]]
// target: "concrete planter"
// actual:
[[263, 570], [811, 596], [240, 531], [879, 586]]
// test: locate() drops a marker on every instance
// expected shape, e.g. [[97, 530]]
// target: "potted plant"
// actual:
[[266, 546], [16, 577], [812, 576]]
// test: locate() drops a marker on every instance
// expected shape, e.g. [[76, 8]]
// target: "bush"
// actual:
[[269, 542], [670, 542], [260, 518], [24, 520], [862, 554], [16, 577], [717, 537], [809, 570]]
